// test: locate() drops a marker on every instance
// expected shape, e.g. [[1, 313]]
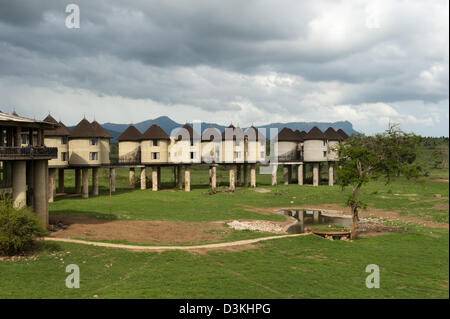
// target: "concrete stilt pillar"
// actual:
[[180, 176], [289, 174], [286, 174], [30, 182], [154, 178], [330, 173], [300, 174], [175, 175], [232, 179], [253, 175], [77, 181], [316, 217], [61, 180], [132, 178], [316, 174], [112, 175], [40, 198], [187, 178], [95, 181], [238, 175], [143, 178], [274, 175], [210, 176], [159, 177], [51, 184], [19, 183], [245, 175], [85, 184], [213, 177], [301, 221]]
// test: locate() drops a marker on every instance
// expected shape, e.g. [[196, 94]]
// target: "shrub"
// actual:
[[18, 228]]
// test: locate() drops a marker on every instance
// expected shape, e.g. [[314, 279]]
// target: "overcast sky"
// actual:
[[244, 62]]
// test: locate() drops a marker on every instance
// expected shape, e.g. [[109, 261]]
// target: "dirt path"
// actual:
[[165, 248]]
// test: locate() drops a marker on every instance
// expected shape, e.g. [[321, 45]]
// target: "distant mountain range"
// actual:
[[167, 124]]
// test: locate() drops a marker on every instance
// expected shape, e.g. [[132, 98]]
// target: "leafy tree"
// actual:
[[365, 158]]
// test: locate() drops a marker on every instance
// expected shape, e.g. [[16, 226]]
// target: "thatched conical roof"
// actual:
[[315, 134], [287, 135], [99, 130], [131, 134], [342, 134], [155, 132], [332, 135], [62, 130]]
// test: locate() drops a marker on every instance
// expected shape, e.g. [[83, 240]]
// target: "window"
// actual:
[[25, 139], [94, 141], [64, 140], [192, 142], [93, 156], [324, 143], [155, 155], [237, 154], [324, 153], [155, 143], [64, 156], [238, 142], [263, 154], [192, 155]]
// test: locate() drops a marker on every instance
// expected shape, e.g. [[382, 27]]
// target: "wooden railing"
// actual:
[[29, 151]]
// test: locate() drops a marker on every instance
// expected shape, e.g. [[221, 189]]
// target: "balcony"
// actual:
[[293, 156], [30, 152]]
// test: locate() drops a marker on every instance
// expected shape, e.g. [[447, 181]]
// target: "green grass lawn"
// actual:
[[406, 197], [412, 265]]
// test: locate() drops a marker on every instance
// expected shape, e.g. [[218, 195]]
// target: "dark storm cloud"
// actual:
[[287, 56]]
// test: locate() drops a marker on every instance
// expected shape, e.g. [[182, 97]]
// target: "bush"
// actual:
[[18, 228]]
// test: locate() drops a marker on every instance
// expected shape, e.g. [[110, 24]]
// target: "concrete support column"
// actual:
[[95, 181], [180, 176], [175, 175], [286, 174], [112, 176], [143, 178], [19, 183], [61, 180], [238, 175], [245, 175], [132, 178], [253, 175], [274, 175], [330, 173], [232, 179], [213, 177], [51, 184], [18, 137], [316, 217], [159, 177], [40, 198], [77, 181], [154, 178], [30, 182], [187, 178], [316, 168], [289, 174], [85, 183], [300, 170]]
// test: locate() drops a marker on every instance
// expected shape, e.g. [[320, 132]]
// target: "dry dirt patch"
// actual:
[[139, 231]]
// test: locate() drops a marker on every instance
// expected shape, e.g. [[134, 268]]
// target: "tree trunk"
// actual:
[[355, 223]]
